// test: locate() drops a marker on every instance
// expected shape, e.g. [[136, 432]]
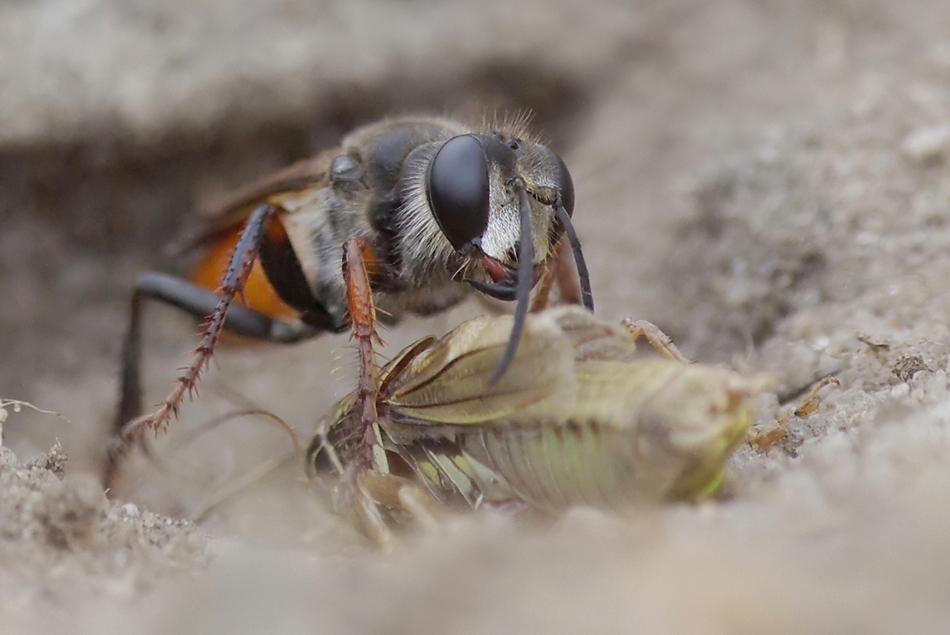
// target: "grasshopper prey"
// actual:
[[579, 418]]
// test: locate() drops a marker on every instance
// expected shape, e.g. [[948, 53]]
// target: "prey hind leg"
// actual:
[[658, 339]]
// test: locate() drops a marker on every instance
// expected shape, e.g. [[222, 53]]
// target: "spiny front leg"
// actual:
[[359, 297], [362, 488]]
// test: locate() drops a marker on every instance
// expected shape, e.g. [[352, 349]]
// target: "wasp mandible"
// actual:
[[443, 208]]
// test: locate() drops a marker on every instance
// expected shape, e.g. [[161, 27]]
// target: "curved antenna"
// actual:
[[525, 280], [586, 295]]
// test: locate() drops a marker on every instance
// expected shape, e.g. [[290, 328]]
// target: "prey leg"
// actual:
[[399, 496], [658, 339], [765, 436]]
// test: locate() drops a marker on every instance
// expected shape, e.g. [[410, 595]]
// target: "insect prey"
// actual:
[[441, 207], [580, 418]]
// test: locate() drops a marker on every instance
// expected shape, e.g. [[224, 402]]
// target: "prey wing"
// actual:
[[448, 384]]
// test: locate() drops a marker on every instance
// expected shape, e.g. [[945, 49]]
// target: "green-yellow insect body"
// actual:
[[580, 418]]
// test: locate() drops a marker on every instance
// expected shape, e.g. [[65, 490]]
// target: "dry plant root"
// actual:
[[16, 405]]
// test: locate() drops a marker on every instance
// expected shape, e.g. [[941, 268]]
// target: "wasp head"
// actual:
[[491, 206], [484, 191]]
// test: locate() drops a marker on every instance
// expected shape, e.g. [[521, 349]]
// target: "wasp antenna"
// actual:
[[586, 294], [525, 280]]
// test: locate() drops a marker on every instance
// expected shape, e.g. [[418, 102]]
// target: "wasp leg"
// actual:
[[657, 338], [359, 297], [542, 293], [558, 271], [370, 492], [374, 485], [262, 234], [565, 274], [198, 302], [371, 520]]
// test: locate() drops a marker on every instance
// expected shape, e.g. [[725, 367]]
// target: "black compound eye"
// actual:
[[457, 187]]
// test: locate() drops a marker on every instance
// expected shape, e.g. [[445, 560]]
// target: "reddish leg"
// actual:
[[366, 483], [357, 254], [559, 270], [542, 292], [565, 275], [353, 492], [771, 433]]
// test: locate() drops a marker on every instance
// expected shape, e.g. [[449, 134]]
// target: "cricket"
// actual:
[[580, 418]]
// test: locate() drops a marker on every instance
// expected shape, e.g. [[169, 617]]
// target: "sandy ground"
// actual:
[[766, 180]]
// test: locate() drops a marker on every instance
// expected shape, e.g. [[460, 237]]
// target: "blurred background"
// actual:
[[764, 179]]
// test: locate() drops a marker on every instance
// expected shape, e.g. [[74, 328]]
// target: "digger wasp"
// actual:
[[443, 208]]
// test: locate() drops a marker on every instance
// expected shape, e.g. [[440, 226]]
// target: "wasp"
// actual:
[[443, 208], [580, 419]]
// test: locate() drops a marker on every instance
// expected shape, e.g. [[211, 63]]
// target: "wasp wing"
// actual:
[[296, 182]]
